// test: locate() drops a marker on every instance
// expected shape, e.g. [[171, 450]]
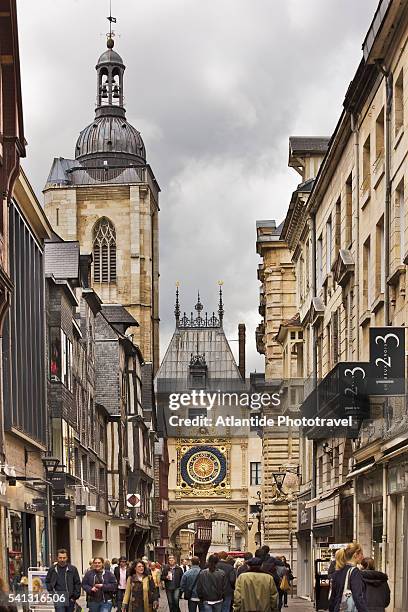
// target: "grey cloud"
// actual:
[[216, 88]]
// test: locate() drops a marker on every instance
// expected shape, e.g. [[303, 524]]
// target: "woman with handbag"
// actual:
[[141, 593], [347, 587], [289, 578]]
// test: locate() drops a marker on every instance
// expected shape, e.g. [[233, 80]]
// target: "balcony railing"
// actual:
[[94, 176]]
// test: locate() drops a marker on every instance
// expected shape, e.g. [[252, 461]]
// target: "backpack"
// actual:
[[347, 602]]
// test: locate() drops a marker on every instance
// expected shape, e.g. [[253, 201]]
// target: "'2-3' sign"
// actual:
[[387, 361]]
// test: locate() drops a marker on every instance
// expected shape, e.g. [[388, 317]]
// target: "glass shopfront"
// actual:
[[14, 549]]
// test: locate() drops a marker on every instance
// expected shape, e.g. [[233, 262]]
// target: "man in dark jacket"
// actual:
[[211, 586], [99, 585], [63, 579], [171, 577], [229, 572], [377, 591], [356, 585]]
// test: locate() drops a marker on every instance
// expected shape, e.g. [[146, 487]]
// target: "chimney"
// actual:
[[241, 349]]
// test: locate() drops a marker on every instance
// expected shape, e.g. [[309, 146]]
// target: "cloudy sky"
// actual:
[[216, 89]]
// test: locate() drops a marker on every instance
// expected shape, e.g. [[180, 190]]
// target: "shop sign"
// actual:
[[304, 516], [387, 359], [58, 481], [98, 534], [61, 503], [398, 478], [133, 500], [3, 489], [369, 487]]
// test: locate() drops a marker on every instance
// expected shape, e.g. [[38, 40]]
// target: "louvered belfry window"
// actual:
[[104, 251]]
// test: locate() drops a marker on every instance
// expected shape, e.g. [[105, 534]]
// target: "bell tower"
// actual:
[[110, 80], [107, 198]]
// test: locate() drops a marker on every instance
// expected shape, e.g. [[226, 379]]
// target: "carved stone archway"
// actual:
[[182, 514]]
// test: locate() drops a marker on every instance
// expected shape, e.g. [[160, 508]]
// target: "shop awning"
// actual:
[[316, 500], [396, 453], [360, 470], [312, 502]]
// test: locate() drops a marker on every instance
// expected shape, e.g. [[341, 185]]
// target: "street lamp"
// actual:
[[50, 465], [249, 524], [259, 516]]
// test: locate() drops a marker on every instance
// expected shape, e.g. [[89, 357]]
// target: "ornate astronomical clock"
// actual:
[[203, 468]]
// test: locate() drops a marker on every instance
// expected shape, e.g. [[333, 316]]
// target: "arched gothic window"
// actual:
[[104, 251]]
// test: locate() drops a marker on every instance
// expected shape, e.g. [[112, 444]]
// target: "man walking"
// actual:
[[121, 573], [99, 585], [63, 579], [188, 585], [229, 572], [255, 590], [171, 577]]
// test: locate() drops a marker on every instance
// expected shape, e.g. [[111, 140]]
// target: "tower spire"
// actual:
[[177, 306], [220, 304]]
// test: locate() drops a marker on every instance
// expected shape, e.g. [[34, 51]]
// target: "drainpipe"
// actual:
[[315, 373], [387, 216], [356, 288]]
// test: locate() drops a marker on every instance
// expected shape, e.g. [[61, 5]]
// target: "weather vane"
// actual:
[[111, 20]]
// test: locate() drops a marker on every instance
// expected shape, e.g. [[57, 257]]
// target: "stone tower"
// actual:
[[107, 198]]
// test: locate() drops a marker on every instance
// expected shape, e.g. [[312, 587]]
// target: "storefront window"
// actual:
[[15, 549]]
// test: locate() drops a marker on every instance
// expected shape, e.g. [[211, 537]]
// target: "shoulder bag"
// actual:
[[188, 593], [347, 602]]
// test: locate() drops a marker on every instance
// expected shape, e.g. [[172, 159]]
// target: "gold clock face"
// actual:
[[203, 467]]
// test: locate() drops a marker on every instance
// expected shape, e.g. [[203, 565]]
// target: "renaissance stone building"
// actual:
[[107, 199]]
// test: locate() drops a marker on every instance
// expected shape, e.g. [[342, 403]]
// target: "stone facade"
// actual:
[[346, 232]]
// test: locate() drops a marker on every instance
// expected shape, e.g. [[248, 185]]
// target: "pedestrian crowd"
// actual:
[[256, 583]]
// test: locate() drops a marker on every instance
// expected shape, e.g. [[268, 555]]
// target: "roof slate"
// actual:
[[308, 144], [62, 259], [117, 314]]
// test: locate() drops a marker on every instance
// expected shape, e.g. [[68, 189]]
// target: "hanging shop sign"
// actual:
[[387, 361], [133, 500]]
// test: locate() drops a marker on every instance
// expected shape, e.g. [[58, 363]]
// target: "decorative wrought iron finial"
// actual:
[[221, 304], [199, 305], [177, 307], [110, 42]]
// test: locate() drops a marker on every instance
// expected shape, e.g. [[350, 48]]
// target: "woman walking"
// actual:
[[376, 584], [141, 593], [347, 580], [289, 577]]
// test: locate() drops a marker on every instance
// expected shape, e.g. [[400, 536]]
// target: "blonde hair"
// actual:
[[347, 555]]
